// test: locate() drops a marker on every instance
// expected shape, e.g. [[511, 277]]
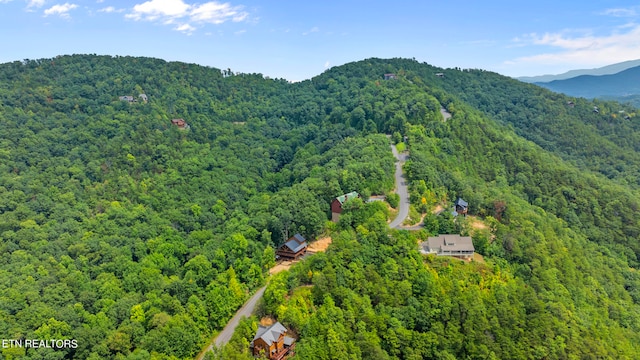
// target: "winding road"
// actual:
[[225, 335], [247, 309], [401, 190]]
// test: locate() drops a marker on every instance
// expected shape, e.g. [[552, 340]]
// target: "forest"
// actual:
[[140, 239]]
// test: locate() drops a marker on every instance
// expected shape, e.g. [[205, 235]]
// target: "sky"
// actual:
[[297, 40]]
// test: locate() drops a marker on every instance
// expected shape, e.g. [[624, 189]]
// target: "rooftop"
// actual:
[[351, 195], [449, 243], [270, 334]]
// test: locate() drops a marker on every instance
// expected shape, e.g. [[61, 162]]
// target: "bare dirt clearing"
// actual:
[[319, 245]]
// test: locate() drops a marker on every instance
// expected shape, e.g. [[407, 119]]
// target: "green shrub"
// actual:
[[393, 200]]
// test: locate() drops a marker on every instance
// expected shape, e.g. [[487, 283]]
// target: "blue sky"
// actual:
[[297, 40]]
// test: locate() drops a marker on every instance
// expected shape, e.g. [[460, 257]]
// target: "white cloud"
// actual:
[[110, 9], [35, 3], [155, 9], [173, 11], [216, 13], [621, 12], [185, 28], [583, 49], [326, 64], [60, 10]]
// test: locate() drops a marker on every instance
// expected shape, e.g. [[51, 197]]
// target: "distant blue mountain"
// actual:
[[605, 70], [623, 84]]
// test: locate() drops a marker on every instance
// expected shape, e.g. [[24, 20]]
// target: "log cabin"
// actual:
[[293, 248]]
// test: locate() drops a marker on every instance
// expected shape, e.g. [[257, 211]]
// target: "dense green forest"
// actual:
[[140, 240]]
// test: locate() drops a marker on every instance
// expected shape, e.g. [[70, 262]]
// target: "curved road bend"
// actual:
[[403, 207], [225, 334], [249, 306]]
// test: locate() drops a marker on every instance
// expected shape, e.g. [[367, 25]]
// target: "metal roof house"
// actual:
[[449, 245], [336, 204], [462, 207], [272, 341], [293, 248]]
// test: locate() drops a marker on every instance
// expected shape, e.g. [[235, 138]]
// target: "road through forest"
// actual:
[[247, 309], [401, 189]]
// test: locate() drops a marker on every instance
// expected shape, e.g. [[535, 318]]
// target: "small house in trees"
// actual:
[[390, 76], [272, 341], [143, 97], [180, 123], [336, 204], [449, 245], [127, 98], [571, 104], [295, 247], [440, 74], [462, 207], [596, 110]]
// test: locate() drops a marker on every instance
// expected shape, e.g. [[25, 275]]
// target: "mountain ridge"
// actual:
[[605, 70], [621, 84], [140, 239]]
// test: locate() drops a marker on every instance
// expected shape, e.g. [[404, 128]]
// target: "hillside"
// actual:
[[621, 84], [140, 239], [605, 70]]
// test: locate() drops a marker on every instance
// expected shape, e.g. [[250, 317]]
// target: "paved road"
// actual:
[[401, 189], [225, 334], [249, 306]]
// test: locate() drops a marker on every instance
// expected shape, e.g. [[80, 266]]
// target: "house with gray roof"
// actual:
[[293, 248], [449, 245], [272, 341], [462, 207]]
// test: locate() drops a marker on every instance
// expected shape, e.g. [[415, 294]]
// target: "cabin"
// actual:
[[336, 204], [440, 74], [293, 248], [571, 104], [596, 110], [390, 76], [272, 341], [449, 245], [144, 97], [462, 207], [180, 123], [127, 98]]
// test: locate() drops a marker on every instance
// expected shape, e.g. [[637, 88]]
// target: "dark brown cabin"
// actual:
[[295, 247], [462, 207], [272, 341]]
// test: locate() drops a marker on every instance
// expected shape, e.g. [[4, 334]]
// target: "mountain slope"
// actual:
[[140, 239], [624, 83], [374, 296], [605, 70]]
